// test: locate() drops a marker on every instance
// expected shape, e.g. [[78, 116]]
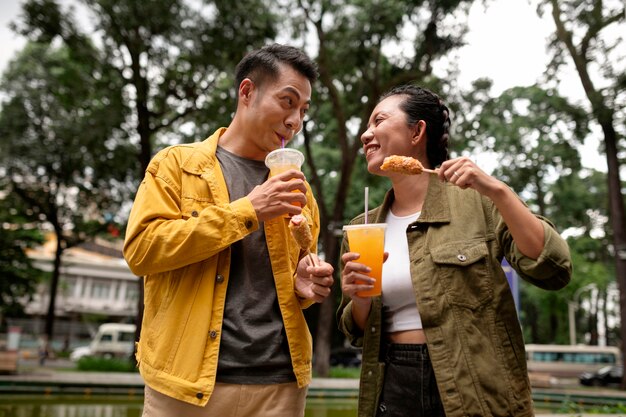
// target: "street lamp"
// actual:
[[572, 306]]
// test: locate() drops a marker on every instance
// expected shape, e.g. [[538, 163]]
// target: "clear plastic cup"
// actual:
[[284, 159], [368, 240]]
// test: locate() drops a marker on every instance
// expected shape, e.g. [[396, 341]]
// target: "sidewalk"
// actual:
[[49, 381]]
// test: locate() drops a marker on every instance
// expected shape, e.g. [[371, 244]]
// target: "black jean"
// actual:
[[409, 388]]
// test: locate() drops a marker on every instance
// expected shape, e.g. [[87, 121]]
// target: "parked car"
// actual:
[[113, 340], [345, 357], [80, 352], [607, 375]]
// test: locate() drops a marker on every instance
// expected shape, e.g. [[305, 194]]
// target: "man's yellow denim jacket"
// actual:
[[179, 234], [474, 338]]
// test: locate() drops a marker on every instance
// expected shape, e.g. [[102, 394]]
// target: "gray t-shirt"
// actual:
[[253, 347]]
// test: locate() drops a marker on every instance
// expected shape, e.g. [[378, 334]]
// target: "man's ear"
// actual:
[[246, 89], [419, 132]]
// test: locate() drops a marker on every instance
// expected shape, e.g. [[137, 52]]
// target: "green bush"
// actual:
[[91, 363], [343, 372]]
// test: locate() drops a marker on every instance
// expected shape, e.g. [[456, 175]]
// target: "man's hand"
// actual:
[[314, 282], [276, 196]]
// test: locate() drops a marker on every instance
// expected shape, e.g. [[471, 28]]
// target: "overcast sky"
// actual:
[[507, 43]]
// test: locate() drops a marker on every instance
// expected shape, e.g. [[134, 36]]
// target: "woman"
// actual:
[[444, 339]]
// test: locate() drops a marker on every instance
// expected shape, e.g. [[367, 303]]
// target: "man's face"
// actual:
[[276, 109]]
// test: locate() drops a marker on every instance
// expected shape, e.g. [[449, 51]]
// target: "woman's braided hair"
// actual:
[[422, 104]]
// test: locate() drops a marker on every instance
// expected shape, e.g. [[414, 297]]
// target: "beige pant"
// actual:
[[232, 400]]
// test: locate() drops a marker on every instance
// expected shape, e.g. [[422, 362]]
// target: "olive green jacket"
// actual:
[[467, 308]]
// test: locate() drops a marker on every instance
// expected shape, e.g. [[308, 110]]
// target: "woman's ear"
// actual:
[[419, 132]]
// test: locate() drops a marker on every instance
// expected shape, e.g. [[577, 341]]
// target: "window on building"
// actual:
[[100, 290], [132, 292]]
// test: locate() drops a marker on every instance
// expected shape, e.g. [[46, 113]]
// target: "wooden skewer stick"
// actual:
[[311, 258]]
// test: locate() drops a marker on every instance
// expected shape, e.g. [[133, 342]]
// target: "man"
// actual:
[[223, 331]]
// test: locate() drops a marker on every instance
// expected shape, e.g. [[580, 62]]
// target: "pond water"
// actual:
[[123, 406]]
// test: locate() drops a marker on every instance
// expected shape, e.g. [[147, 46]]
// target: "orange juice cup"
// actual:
[[368, 240], [284, 159]]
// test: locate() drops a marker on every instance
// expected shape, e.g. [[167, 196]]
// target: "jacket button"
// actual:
[[194, 213], [199, 395], [461, 258], [249, 224], [213, 334], [219, 278]]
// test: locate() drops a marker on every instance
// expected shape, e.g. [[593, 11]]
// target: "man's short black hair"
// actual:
[[263, 64]]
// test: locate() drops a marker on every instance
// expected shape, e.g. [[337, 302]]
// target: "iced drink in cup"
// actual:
[[368, 240], [284, 159]]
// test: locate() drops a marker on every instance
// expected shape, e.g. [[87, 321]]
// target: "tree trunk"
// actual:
[[326, 319], [54, 284], [618, 225], [605, 315], [145, 153], [604, 116], [592, 320]]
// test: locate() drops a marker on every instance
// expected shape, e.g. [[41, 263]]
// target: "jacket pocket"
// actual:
[[462, 268], [193, 206]]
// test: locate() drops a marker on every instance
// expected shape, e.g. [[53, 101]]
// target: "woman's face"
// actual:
[[387, 134]]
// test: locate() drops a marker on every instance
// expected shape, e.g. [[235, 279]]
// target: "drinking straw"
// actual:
[[282, 142], [367, 189]]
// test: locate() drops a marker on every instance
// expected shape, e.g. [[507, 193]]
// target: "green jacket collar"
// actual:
[[436, 207]]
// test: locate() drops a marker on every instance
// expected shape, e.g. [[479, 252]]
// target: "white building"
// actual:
[[95, 286], [94, 279]]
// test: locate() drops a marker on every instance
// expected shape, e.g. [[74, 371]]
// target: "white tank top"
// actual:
[[399, 303]]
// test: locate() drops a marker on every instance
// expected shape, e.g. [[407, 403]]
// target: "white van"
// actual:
[[113, 340]]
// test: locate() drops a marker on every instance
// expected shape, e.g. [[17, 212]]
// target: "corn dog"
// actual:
[[404, 165], [301, 232]]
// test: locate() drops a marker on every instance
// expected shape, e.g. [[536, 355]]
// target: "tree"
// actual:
[[65, 162], [173, 61], [363, 49], [176, 65], [580, 34], [534, 134], [19, 277]]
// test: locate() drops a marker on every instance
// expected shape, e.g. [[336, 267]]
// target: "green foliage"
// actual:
[[77, 114], [94, 364], [19, 276], [585, 35], [65, 160], [180, 60], [364, 49], [570, 407], [544, 315], [587, 202], [58, 138], [534, 132], [343, 372]]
